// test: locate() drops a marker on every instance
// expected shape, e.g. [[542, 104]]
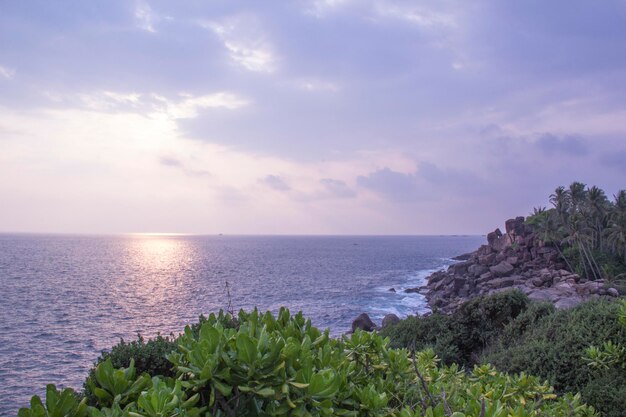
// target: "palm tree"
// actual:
[[561, 201], [578, 195], [616, 232], [597, 207], [551, 231], [616, 238]]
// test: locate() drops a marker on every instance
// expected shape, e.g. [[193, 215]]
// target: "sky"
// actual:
[[304, 116]]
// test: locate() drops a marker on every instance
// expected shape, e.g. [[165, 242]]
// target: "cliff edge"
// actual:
[[517, 258]]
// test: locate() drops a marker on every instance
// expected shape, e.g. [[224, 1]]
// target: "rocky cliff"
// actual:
[[517, 258]]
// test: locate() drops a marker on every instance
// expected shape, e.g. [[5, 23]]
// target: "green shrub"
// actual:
[[434, 331], [460, 337], [148, 357], [479, 321], [527, 319], [279, 366], [554, 346]]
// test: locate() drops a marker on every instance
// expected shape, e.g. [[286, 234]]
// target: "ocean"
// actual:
[[64, 299]]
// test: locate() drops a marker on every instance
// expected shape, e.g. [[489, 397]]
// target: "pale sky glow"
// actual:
[[322, 117]]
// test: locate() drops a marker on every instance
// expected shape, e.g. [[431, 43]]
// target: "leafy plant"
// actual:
[[117, 386], [58, 404], [261, 365]]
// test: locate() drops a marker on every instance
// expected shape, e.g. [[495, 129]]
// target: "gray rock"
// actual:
[[477, 270], [363, 322], [459, 268], [493, 236], [464, 257], [458, 284], [487, 259], [392, 289], [537, 282], [505, 282], [501, 243], [612, 292], [515, 226], [568, 302], [390, 320], [503, 269], [513, 260]]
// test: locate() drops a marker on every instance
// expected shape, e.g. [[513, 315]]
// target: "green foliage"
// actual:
[[553, 348], [261, 365], [460, 337], [609, 363], [480, 320], [58, 404], [587, 229], [117, 386], [148, 357]]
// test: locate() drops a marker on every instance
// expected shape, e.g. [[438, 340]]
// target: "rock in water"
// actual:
[[390, 320], [363, 322]]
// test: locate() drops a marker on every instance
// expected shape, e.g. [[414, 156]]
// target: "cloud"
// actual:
[[424, 17], [6, 73], [246, 43], [396, 186], [615, 160], [336, 189], [427, 183], [168, 161], [145, 18], [172, 162], [316, 85], [573, 145], [183, 106], [275, 183], [189, 106]]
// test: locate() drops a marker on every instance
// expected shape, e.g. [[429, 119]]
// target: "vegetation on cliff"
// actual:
[[516, 335], [588, 229], [261, 365]]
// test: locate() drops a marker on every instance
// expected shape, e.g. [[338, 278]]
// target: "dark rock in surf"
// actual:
[[390, 320], [363, 322]]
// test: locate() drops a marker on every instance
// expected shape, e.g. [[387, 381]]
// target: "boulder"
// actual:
[[487, 259], [505, 282], [392, 289], [487, 276], [459, 268], [537, 282], [363, 322], [390, 320], [515, 226], [493, 236], [612, 292], [477, 270], [501, 243], [412, 290], [503, 269], [513, 260], [463, 257], [458, 284], [568, 302]]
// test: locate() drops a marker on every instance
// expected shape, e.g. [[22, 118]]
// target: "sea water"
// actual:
[[64, 299]]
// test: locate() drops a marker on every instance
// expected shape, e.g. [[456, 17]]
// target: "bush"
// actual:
[[480, 321], [553, 348], [434, 331], [278, 366], [460, 337], [148, 357]]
